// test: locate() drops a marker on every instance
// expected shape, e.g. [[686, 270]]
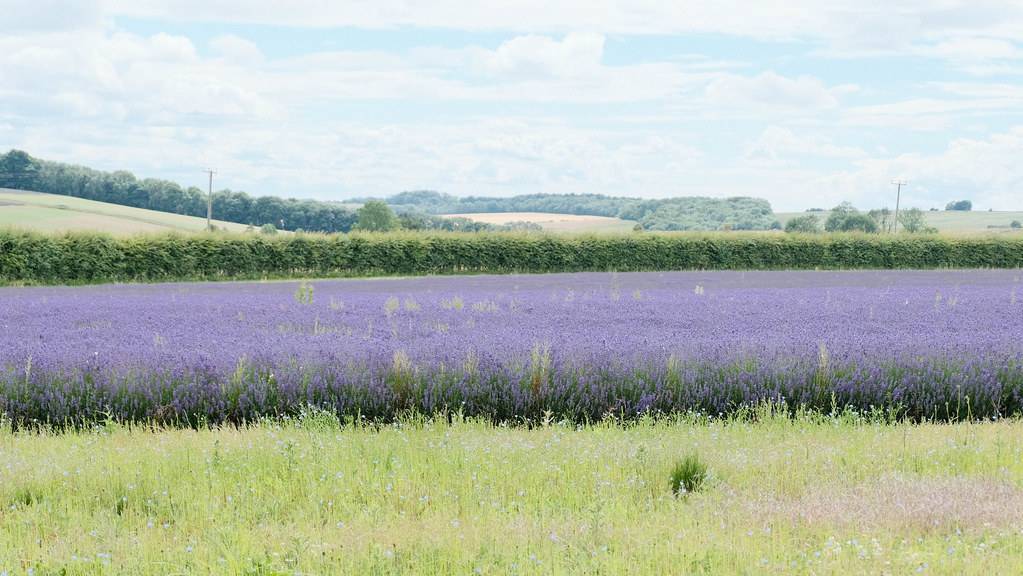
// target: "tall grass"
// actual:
[[448, 495]]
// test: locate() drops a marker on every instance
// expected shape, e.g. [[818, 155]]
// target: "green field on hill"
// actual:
[[950, 222], [57, 213], [947, 221], [552, 222]]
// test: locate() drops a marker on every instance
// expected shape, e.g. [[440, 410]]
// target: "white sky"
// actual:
[[803, 102]]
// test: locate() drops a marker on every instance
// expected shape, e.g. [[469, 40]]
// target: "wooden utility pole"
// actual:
[[898, 196], [209, 201]]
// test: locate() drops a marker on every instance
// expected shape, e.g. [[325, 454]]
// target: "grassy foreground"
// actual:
[[312, 497]]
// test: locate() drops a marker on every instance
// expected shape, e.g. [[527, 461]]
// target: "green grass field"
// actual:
[[552, 222], [949, 222], [803, 496], [56, 213], [945, 221]]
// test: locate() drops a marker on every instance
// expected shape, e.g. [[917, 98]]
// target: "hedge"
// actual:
[[34, 258]]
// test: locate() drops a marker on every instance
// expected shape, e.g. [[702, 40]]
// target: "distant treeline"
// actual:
[[21, 171], [27, 257], [417, 210], [686, 213]]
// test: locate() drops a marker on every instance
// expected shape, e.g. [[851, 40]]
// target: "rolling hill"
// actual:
[[552, 222], [947, 221], [57, 213]]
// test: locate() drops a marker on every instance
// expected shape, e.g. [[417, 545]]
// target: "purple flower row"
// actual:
[[935, 344]]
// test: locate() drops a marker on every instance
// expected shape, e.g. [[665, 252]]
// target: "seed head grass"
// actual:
[[316, 495]]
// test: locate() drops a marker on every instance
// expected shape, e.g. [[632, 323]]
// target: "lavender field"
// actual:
[[923, 345]]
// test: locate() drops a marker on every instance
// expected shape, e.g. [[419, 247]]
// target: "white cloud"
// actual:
[[771, 90], [985, 170], [781, 144], [533, 56], [847, 25], [973, 49], [935, 114], [20, 16], [152, 79], [977, 55], [81, 90], [499, 156], [237, 49]]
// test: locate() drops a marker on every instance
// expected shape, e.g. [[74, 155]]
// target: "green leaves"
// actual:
[[27, 257]]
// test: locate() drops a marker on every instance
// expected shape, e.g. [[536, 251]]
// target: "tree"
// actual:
[[959, 205], [883, 218], [1016, 224], [376, 216], [17, 170], [846, 218], [805, 224], [912, 221]]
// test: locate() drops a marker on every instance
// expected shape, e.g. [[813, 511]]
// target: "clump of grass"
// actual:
[[304, 293], [539, 367], [401, 378], [485, 306], [455, 303], [688, 475], [318, 419]]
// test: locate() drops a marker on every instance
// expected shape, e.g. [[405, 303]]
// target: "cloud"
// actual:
[[532, 56], [237, 49], [771, 90], [859, 26], [780, 144], [985, 170], [550, 107], [979, 56], [125, 77], [22, 16], [931, 114]]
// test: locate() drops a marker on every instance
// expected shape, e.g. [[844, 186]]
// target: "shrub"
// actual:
[[268, 229], [376, 216], [846, 218], [1016, 224], [806, 224], [912, 221], [27, 257], [959, 206], [688, 475]]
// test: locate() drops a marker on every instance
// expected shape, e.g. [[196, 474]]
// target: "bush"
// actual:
[[959, 206], [688, 475], [846, 218], [913, 221], [1016, 224], [806, 224], [376, 216], [27, 257]]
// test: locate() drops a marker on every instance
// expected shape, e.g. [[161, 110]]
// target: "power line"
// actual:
[[209, 200], [898, 196]]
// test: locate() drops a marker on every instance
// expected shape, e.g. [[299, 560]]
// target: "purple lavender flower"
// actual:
[[928, 344]]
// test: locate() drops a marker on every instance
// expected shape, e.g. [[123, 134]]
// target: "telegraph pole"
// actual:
[[898, 196], [209, 200]]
